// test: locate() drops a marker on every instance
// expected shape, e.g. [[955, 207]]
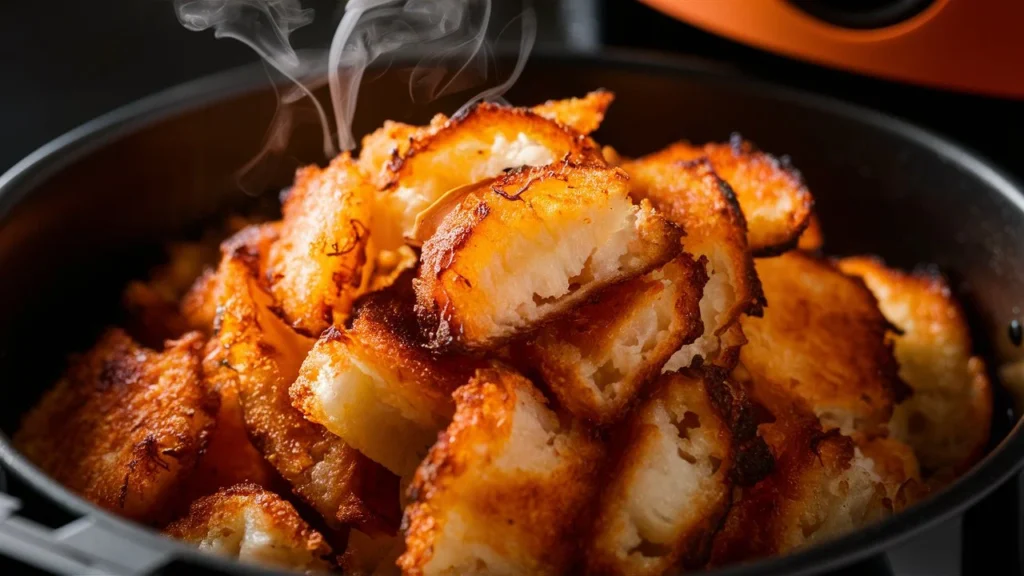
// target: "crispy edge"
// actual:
[[479, 431], [344, 486], [316, 265], [218, 512], [581, 114], [752, 174], [935, 306], [691, 194], [146, 408], [483, 116], [747, 460], [838, 369], [590, 328], [439, 275]]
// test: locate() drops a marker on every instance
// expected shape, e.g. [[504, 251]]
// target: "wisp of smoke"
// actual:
[[266, 27], [450, 35]]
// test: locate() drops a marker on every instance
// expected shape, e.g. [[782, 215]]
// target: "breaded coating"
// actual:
[[230, 458], [693, 196], [125, 425], [772, 194], [317, 267], [477, 144], [812, 238], [501, 491], [672, 480], [820, 487], [583, 115], [946, 419], [340, 483], [380, 147], [531, 246], [255, 526], [823, 336], [366, 556], [377, 386], [199, 305], [598, 358]]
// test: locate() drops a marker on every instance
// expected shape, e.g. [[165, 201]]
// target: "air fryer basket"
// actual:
[[88, 212]]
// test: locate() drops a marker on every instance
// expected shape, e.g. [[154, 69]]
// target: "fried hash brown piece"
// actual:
[[693, 196], [478, 144], [946, 419], [600, 356], [376, 385], [125, 425], [317, 266], [230, 458], [583, 115], [255, 526], [823, 337], [671, 483], [378, 148], [265, 354], [532, 245], [772, 194], [501, 490], [820, 487]]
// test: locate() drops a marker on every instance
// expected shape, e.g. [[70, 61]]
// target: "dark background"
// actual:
[[67, 62]]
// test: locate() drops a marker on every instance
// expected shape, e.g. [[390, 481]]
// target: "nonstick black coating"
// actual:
[[87, 212]]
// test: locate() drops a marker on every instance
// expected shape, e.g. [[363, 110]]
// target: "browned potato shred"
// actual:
[[491, 345]]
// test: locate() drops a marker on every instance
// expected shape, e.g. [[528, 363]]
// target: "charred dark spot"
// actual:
[[359, 231], [225, 364], [753, 462], [266, 348], [116, 371]]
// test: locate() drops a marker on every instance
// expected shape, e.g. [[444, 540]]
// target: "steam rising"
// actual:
[[450, 36], [266, 27]]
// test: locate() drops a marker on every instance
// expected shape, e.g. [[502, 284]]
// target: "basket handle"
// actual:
[[83, 546]]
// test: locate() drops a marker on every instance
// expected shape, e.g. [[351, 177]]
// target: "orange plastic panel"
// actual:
[[968, 45]]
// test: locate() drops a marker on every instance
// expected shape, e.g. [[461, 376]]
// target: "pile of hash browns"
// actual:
[[489, 345]]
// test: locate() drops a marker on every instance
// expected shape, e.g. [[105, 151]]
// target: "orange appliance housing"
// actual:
[[966, 45]]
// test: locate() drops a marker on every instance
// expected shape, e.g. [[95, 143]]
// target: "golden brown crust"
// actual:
[[581, 114], [671, 480], [511, 228], [380, 146], [316, 266], [265, 354], [230, 458], [501, 489], [817, 489], [772, 194], [946, 419], [199, 305], [245, 521], [693, 196], [823, 337], [479, 143], [377, 386], [598, 358], [125, 426]]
